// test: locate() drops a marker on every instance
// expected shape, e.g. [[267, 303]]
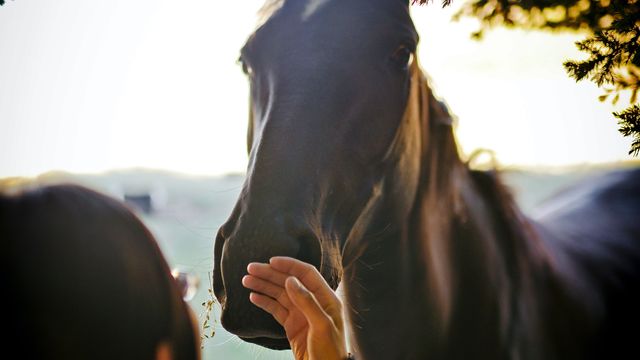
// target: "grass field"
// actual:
[[187, 212]]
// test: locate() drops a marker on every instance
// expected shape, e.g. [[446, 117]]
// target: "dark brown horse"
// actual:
[[354, 168]]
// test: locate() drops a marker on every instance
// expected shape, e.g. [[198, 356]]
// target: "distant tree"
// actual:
[[612, 45]]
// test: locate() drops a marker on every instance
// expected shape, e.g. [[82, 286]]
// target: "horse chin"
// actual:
[[270, 343]]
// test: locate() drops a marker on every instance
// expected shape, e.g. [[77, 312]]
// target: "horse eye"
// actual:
[[246, 69], [402, 57]]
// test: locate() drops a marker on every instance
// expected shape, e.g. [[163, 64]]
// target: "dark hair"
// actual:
[[85, 279]]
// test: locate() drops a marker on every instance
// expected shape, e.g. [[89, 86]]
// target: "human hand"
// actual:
[[297, 296]]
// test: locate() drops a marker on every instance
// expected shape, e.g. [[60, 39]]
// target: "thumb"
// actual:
[[304, 300]]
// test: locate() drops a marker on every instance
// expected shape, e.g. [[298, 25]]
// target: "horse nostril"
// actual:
[[310, 250], [218, 285]]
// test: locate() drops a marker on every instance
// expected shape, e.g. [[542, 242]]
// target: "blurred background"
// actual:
[[145, 101]]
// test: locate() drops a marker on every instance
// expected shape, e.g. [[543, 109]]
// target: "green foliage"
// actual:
[[589, 15], [614, 59], [629, 121], [614, 62], [422, 2], [612, 45]]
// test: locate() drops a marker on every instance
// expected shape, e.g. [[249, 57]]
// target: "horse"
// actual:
[[354, 168]]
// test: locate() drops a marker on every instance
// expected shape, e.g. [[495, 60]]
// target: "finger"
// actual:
[[276, 292], [308, 305], [266, 272], [271, 306], [311, 279]]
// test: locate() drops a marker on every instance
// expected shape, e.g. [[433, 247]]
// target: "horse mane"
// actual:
[[436, 194], [448, 186]]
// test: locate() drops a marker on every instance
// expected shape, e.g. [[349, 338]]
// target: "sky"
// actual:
[[91, 86]]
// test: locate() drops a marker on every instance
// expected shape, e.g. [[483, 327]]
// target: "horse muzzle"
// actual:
[[232, 254]]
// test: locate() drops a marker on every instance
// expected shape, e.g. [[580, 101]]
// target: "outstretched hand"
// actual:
[[297, 296]]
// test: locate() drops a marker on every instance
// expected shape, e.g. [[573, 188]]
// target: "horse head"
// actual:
[[340, 117]]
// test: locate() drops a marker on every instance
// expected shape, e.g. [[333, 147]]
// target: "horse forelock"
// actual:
[[268, 9]]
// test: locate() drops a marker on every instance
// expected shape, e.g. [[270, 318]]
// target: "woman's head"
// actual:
[[86, 279]]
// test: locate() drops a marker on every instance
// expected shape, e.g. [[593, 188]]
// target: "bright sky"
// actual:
[[88, 86]]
